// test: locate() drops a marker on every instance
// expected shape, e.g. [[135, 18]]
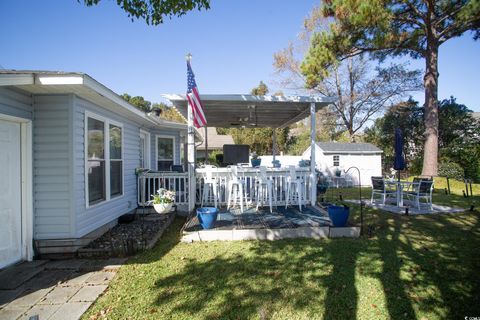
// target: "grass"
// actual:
[[415, 267]]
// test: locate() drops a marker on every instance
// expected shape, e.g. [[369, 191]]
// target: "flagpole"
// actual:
[[191, 154], [206, 146]]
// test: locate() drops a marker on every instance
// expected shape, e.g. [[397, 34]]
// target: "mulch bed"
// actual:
[[127, 239]]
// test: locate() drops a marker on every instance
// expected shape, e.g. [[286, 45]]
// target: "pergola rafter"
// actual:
[[249, 111]]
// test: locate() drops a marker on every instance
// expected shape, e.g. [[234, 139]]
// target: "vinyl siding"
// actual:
[[14, 103], [89, 219], [52, 167]]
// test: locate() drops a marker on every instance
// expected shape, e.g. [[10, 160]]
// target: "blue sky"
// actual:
[[232, 45]]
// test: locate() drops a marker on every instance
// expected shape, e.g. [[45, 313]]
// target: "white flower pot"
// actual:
[[163, 207]]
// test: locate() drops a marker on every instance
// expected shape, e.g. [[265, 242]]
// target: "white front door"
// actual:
[[10, 194]]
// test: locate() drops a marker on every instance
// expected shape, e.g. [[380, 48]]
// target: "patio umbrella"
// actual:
[[399, 163]]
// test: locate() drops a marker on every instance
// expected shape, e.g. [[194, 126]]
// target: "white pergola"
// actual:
[[249, 111]]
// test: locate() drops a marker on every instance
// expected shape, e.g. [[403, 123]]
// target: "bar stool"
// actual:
[[235, 188], [294, 188], [264, 188], [209, 185]]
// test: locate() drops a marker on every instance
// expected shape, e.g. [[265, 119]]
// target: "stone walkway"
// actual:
[[54, 289]]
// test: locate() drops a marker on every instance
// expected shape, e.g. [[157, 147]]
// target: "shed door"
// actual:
[[10, 194]]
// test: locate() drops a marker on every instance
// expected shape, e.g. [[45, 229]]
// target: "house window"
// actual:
[[104, 159], [336, 161], [96, 161], [165, 153], [116, 165]]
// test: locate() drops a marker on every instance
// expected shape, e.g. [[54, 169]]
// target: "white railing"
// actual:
[[150, 182], [250, 177]]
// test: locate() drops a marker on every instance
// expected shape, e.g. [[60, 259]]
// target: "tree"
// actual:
[[154, 11], [459, 136], [393, 28], [138, 101], [406, 115], [166, 112], [169, 113], [362, 92]]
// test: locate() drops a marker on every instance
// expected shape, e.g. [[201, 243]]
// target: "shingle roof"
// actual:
[[342, 147], [215, 141]]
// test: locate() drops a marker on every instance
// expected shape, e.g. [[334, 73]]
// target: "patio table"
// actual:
[[399, 187]]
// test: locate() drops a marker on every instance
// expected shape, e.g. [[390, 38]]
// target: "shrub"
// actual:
[[450, 169]]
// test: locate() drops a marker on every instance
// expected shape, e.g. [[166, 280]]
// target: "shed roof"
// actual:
[[343, 147], [245, 110], [215, 140]]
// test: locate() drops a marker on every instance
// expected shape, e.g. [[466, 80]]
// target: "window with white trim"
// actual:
[[104, 159], [116, 161], [165, 153], [336, 161]]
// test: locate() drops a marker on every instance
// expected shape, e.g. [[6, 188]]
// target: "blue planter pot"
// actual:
[[338, 215], [256, 162], [207, 217]]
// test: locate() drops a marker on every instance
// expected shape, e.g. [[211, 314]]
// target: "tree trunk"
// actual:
[[430, 152]]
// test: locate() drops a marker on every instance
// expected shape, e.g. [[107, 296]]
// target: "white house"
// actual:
[[333, 156], [69, 150]]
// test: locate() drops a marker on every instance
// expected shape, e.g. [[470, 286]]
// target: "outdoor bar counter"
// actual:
[[250, 176]]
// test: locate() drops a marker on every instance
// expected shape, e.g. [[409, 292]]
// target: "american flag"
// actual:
[[193, 98]]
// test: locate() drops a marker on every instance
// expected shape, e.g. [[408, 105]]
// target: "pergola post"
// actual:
[[192, 185], [274, 145], [313, 173]]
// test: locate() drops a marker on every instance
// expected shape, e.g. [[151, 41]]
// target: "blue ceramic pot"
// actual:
[[338, 215], [207, 217], [256, 162]]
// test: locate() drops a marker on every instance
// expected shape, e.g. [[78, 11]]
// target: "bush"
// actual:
[[450, 169]]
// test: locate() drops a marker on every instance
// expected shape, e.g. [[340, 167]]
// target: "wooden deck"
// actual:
[[311, 222]]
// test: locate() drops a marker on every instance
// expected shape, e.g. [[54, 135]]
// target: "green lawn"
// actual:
[[415, 267]]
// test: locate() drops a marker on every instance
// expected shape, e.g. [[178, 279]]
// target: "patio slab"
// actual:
[[232, 225], [412, 209], [13, 278]]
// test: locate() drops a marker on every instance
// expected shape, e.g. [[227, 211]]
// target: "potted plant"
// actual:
[[338, 215], [163, 200], [207, 217], [255, 161]]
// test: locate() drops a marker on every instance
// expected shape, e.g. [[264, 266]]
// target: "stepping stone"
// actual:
[[71, 311], [12, 312], [59, 295], [88, 293], [72, 264], [13, 277], [77, 279], [101, 277], [48, 279], [42, 311], [29, 298], [7, 296]]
